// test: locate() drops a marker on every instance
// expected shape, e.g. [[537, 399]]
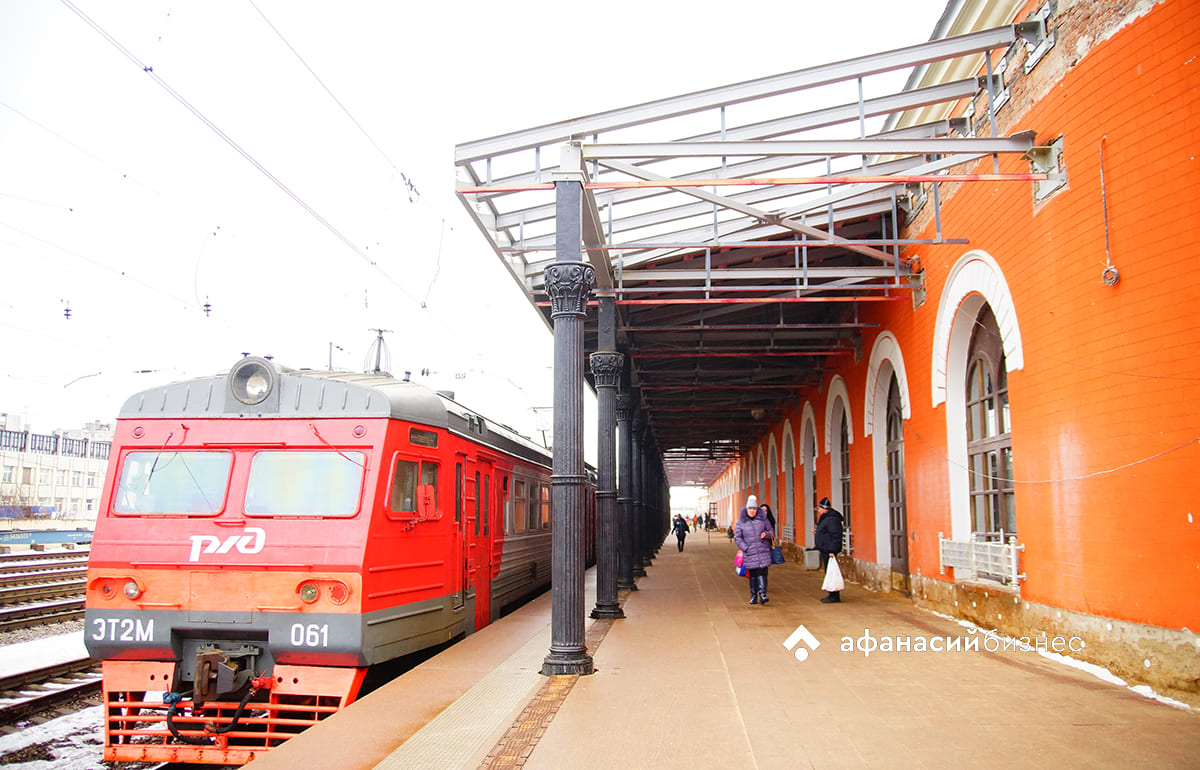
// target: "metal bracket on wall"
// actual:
[[1047, 160], [1033, 31]]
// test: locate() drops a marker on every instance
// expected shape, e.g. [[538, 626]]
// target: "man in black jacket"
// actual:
[[828, 540], [680, 527]]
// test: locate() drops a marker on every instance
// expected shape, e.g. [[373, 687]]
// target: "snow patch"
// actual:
[[1091, 668]]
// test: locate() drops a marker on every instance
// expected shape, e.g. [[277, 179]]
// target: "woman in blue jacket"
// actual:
[[753, 535]]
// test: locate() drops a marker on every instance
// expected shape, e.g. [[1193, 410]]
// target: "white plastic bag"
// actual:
[[833, 576]]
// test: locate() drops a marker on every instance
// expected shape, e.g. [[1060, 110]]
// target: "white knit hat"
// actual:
[[752, 502]]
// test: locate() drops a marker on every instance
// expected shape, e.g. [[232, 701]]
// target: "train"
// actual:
[[267, 537]]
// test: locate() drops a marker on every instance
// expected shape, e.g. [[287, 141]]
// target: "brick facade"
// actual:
[[1104, 408]]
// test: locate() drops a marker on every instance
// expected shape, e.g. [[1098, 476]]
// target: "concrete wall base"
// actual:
[[1167, 660]]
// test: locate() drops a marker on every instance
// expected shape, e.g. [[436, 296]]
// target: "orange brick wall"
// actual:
[[1106, 411]]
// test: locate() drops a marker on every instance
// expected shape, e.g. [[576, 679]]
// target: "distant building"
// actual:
[[52, 475]]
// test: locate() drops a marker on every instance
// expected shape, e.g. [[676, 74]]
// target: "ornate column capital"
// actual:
[[569, 285], [624, 407], [606, 367]]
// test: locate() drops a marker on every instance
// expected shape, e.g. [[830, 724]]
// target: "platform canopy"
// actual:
[[742, 229]]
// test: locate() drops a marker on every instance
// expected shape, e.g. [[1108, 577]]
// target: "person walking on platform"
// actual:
[[828, 540], [681, 529], [765, 511], [753, 535]]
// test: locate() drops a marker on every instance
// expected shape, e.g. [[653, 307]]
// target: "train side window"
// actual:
[[532, 518], [487, 504], [429, 482], [478, 506], [173, 483], [291, 483], [545, 507], [458, 492], [518, 507], [403, 498], [413, 480]]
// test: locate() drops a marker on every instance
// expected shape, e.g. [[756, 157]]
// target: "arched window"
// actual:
[[812, 504], [844, 470], [897, 494], [989, 436]]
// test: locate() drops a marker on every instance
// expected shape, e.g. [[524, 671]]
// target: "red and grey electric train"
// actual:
[[267, 536]]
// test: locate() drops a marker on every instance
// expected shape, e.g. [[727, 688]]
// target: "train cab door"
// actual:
[[476, 570], [481, 532], [465, 514]]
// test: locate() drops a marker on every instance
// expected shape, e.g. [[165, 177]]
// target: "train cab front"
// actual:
[[222, 596]]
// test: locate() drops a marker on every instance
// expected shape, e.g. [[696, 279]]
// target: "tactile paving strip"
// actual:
[[518, 743]]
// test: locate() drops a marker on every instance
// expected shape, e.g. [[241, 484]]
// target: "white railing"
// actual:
[[847, 541], [986, 556]]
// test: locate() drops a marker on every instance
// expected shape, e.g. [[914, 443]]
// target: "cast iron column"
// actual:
[[639, 510], [606, 369], [625, 531], [646, 485], [569, 282], [654, 537]]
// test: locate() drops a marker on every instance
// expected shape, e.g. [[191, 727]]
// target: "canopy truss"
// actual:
[[742, 228]]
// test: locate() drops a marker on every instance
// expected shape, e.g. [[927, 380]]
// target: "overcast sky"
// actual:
[[323, 208]]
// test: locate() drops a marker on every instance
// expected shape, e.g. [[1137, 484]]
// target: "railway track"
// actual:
[[41, 689], [41, 587]]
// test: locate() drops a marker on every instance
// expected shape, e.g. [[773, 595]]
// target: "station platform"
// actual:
[[695, 676]]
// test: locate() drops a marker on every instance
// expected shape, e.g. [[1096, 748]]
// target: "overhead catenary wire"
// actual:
[[409, 185], [414, 195], [101, 161], [148, 70], [469, 348]]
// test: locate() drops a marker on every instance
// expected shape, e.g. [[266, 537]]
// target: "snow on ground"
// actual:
[[1091, 668], [73, 740], [35, 653]]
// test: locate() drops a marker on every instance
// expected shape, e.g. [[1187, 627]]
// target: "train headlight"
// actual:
[[252, 381], [309, 592], [112, 586]]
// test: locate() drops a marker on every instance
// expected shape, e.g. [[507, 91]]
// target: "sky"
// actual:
[[195, 181]]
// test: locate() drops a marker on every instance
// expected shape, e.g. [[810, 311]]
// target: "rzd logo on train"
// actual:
[[245, 543]]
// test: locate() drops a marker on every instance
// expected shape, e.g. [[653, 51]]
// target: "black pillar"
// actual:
[[606, 370], [569, 282], [625, 531], [639, 508], [654, 532]]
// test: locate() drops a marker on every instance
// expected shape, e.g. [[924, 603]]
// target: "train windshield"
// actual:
[[304, 484], [173, 482]]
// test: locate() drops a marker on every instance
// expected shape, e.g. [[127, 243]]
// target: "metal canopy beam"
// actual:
[[1018, 143], [849, 69], [737, 257], [756, 213]]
